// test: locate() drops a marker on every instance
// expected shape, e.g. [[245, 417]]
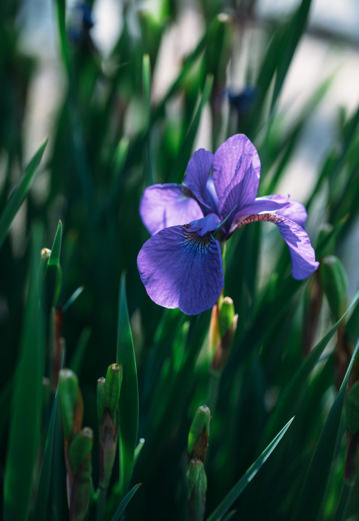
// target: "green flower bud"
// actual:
[[101, 401], [335, 284], [80, 448], [351, 409], [108, 447], [226, 315], [71, 405], [113, 384], [222, 329], [79, 481], [198, 433], [197, 489], [45, 254]]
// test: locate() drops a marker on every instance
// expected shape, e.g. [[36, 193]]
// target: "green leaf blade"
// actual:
[[125, 501], [238, 488], [19, 194], [128, 407], [290, 396], [318, 475], [26, 413]]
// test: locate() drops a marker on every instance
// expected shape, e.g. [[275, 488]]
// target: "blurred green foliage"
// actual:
[[109, 141]]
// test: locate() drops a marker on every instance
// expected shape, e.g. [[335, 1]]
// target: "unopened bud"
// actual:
[[113, 384], [198, 433], [335, 284], [45, 253], [79, 477], [226, 315], [108, 446], [101, 401], [197, 489], [222, 329], [80, 448], [71, 404]]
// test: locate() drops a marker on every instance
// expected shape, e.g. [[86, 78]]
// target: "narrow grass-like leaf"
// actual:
[[5, 405], [128, 407], [139, 448], [73, 297], [54, 259], [118, 164], [344, 501], [292, 393], [229, 515], [293, 34], [61, 26], [187, 146], [125, 501], [53, 275], [310, 505], [146, 85], [336, 160], [40, 512], [77, 357], [238, 488], [26, 413], [286, 146], [19, 193]]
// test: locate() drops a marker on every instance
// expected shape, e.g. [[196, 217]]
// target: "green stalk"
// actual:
[[213, 387], [101, 504], [345, 496]]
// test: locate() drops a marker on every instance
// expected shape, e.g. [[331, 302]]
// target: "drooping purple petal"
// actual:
[[168, 205], [295, 211], [197, 177], [181, 269], [301, 251], [236, 172], [279, 204]]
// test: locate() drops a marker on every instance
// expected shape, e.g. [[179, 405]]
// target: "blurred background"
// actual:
[[328, 49]]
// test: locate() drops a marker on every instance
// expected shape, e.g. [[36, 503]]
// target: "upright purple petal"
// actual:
[[279, 204], [181, 269], [168, 205], [300, 249], [197, 177], [206, 225], [236, 172]]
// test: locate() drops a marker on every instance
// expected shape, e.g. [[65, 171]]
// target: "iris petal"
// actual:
[[301, 251], [236, 172], [197, 177], [279, 204], [180, 268], [168, 205]]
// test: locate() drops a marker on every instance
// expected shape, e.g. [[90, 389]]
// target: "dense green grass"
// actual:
[[83, 306]]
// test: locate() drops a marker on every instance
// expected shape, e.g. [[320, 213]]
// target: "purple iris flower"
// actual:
[[181, 264]]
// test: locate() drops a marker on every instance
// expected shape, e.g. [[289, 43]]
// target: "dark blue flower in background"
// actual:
[[181, 264], [241, 101], [81, 21]]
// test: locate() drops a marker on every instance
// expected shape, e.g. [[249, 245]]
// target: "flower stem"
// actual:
[[344, 501], [101, 504], [213, 386]]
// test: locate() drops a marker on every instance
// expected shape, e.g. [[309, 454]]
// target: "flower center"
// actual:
[[196, 242]]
